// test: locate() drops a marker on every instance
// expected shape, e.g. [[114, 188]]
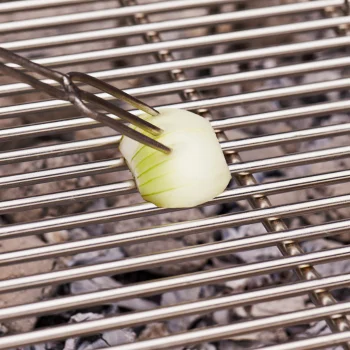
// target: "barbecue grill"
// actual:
[[167, 53]]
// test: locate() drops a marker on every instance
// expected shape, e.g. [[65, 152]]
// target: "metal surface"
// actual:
[[70, 93], [160, 55]]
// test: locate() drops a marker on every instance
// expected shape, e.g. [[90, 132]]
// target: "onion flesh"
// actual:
[[193, 173]]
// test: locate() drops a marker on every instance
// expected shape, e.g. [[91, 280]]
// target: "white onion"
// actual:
[[193, 173]]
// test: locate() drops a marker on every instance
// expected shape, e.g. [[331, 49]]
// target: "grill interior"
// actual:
[[85, 261]]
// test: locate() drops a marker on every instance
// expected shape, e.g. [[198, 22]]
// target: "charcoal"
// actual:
[[96, 257], [56, 236], [176, 297], [240, 345], [101, 283], [98, 204], [206, 346], [19, 270], [156, 330], [44, 188], [108, 339], [103, 340]]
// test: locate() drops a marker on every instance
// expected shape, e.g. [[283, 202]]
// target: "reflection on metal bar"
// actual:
[[60, 149]]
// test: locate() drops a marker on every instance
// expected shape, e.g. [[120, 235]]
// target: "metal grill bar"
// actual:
[[190, 43], [240, 56], [287, 248], [112, 141], [191, 308], [84, 17], [67, 172], [60, 198], [259, 96], [175, 230], [314, 343], [38, 129], [192, 337], [286, 240], [322, 155], [144, 262], [118, 164], [37, 4], [144, 209], [224, 332], [169, 25]]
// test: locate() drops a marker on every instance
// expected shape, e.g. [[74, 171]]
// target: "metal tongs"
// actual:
[[71, 93]]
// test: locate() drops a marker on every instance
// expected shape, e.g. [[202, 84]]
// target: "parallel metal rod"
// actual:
[[313, 343], [323, 155], [184, 23], [147, 261], [197, 62], [272, 224], [236, 145], [289, 248], [159, 286], [27, 5], [313, 110], [67, 172], [190, 43], [253, 269], [224, 332], [127, 186], [69, 125], [66, 197], [264, 95], [145, 209], [118, 164], [286, 137], [112, 13], [59, 149], [175, 230]]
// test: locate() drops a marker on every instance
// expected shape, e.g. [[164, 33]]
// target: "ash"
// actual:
[[222, 317]]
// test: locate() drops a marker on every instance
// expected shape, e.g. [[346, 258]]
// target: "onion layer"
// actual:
[[193, 173]]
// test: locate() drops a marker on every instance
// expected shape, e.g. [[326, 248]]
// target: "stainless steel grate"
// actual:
[[76, 39]]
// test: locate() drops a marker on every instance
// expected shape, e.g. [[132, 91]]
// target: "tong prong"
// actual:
[[114, 124], [75, 95], [36, 83], [30, 65], [112, 90], [119, 94]]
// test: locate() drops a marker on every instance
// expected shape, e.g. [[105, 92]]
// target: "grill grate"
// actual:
[[186, 92]]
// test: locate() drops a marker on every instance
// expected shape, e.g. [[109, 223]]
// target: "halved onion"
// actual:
[[193, 173]]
